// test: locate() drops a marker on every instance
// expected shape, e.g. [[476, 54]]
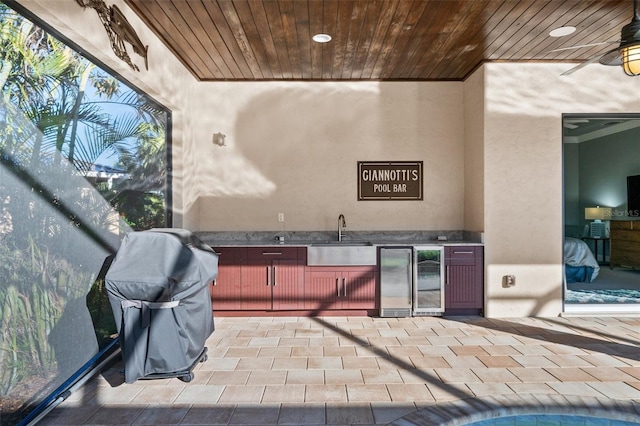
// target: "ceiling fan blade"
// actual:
[[562, 49], [581, 65], [612, 57]]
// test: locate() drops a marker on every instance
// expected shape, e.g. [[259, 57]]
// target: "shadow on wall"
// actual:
[[287, 144], [284, 130], [304, 125]]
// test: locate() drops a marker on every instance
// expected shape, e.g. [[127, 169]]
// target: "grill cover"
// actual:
[[158, 287]]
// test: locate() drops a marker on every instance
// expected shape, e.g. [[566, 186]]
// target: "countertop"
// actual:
[[328, 238], [294, 243]]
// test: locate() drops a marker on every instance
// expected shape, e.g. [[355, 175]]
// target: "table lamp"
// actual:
[[597, 228]]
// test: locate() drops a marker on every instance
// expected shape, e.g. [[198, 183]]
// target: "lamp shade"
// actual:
[[631, 60], [597, 213], [630, 44]]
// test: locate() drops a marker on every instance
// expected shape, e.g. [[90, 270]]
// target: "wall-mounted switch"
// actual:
[[280, 217]]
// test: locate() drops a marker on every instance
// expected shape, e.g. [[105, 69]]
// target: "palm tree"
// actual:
[[56, 105]]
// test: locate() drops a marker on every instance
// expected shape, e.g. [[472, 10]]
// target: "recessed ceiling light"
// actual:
[[562, 31], [321, 38]]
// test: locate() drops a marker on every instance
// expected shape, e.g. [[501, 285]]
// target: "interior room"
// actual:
[[600, 155]]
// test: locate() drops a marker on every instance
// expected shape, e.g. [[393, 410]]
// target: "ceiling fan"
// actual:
[[626, 54]]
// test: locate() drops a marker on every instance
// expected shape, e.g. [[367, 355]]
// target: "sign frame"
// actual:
[[390, 181]]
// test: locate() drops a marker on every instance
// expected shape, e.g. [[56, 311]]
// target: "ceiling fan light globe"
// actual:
[[631, 60]]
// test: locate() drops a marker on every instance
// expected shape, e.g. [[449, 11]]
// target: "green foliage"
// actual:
[[100, 310], [39, 286], [433, 255], [143, 210], [60, 115]]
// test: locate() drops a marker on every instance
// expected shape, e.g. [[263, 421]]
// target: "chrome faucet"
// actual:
[[342, 224]]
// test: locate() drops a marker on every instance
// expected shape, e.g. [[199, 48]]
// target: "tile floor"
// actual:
[[371, 371]]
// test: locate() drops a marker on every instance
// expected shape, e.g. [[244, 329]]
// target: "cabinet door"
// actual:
[[272, 279], [256, 284], [287, 285], [225, 289], [340, 287], [322, 289], [359, 288], [464, 278]]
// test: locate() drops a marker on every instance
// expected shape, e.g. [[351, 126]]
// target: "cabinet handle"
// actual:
[[462, 252], [214, 282], [344, 286], [274, 276], [338, 287], [447, 276], [272, 253], [268, 274]]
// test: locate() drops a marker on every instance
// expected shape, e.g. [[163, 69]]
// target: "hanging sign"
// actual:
[[389, 180]]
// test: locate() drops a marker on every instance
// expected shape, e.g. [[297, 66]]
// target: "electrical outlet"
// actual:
[[280, 217]]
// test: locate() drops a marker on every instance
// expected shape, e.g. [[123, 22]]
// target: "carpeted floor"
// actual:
[[618, 285]]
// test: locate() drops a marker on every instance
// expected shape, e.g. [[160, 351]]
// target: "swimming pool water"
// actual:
[[551, 420]]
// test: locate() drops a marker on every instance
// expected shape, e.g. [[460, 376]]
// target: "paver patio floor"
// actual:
[[363, 370]]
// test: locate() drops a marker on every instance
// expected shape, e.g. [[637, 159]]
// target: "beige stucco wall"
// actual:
[[293, 148], [474, 110]]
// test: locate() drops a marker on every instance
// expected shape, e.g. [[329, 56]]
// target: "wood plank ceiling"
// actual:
[[432, 40]]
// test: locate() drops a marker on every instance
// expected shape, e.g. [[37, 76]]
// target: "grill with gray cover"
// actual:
[[158, 288]]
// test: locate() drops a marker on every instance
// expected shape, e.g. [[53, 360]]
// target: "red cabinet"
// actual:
[[273, 278], [225, 289], [322, 288], [340, 287], [255, 290], [464, 280], [277, 278], [287, 291]]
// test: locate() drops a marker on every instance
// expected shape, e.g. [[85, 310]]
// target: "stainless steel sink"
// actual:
[[341, 253]]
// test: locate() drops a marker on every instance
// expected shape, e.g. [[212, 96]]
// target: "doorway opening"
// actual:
[[601, 234]]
